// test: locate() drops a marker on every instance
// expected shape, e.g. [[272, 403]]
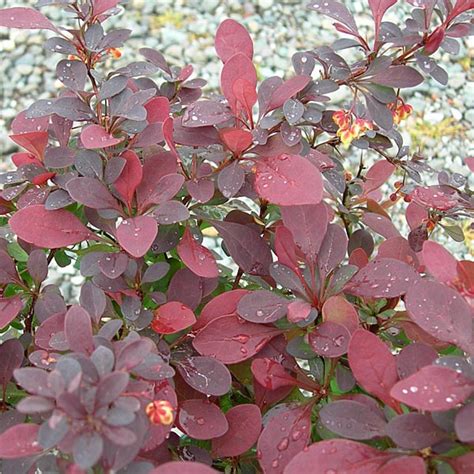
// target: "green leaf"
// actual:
[[17, 252], [455, 232]]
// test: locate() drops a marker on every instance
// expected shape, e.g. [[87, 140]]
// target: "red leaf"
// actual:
[[379, 7], [270, 374], [433, 197], [172, 317], [232, 38], [380, 224], [308, 225], [377, 175], [245, 424], [183, 467], [288, 180], [102, 6], [286, 434], [433, 388], [230, 340], [439, 262], [463, 464], [19, 441], [337, 455], [403, 465], [298, 311], [136, 234], [158, 109], [441, 312], [224, 304], [246, 95], [34, 142], [201, 419], [237, 67], [372, 364], [78, 330], [25, 18], [236, 140], [9, 309], [338, 310], [196, 257], [383, 278], [48, 229], [94, 136], [130, 177], [262, 306], [287, 90]]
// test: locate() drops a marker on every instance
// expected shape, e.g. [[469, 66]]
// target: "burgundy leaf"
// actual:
[[271, 375], [223, 304], [378, 8], [236, 140], [206, 375], [414, 431], [336, 11], [231, 179], [9, 309], [78, 330], [383, 278], [91, 193], [352, 419], [380, 224], [333, 249], [286, 434], [439, 262], [329, 339], [372, 364], [25, 18], [246, 246], [338, 310], [245, 424], [287, 90], [433, 388], [308, 226], [11, 357], [48, 229], [262, 306], [232, 38], [231, 341], [136, 235], [338, 455], [288, 180], [183, 467], [441, 312], [202, 419], [298, 311], [19, 441], [196, 257], [413, 357]]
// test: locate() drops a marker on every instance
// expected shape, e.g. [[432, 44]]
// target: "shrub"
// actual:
[[310, 351]]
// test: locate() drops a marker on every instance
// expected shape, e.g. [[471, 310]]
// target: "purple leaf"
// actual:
[[329, 339], [25, 18], [202, 419], [78, 330], [399, 77], [262, 307], [9, 309], [383, 278], [308, 226], [91, 193], [19, 441], [352, 419], [441, 312], [232, 38], [11, 357]]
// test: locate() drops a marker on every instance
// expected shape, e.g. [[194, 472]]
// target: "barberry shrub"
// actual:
[[248, 302]]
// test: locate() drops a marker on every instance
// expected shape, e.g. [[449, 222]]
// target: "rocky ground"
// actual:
[[183, 30]]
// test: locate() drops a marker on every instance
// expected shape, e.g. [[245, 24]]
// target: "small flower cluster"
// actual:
[[115, 53], [400, 110], [350, 126]]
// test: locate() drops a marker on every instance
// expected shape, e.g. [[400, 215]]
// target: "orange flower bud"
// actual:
[[160, 412], [114, 52]]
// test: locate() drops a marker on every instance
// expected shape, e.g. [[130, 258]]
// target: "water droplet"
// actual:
[[283, 444]]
